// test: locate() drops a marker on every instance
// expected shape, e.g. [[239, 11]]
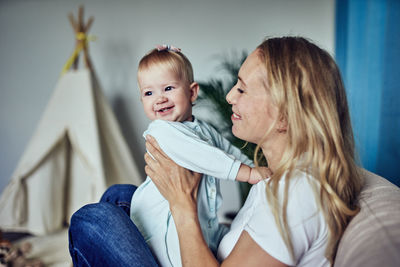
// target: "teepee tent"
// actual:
[[76, 152]]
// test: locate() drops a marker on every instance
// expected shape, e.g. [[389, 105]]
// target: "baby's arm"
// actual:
[[229, 148], [192, 151], [252, 175]]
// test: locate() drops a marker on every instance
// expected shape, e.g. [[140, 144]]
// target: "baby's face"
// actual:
[[165, 96]]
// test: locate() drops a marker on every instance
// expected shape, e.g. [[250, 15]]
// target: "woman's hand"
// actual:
[[178, 185]]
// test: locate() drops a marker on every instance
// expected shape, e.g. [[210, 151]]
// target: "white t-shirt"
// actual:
[[309, 230]]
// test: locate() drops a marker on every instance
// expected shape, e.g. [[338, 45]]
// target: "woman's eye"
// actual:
[[148, 93], [168, 88], [241, 91]]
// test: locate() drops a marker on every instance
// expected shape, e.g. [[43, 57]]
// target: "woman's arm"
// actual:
[[179, 186]]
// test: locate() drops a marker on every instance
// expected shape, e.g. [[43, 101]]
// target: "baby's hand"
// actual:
[[258, 174]]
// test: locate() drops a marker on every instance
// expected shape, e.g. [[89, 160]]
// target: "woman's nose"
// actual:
[[229, 97]]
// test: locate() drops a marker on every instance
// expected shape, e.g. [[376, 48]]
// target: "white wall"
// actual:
[[36, 40]]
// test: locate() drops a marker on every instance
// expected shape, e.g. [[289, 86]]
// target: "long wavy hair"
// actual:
[[305, 84]]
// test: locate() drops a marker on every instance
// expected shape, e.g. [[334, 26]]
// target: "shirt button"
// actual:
[[212, 193]]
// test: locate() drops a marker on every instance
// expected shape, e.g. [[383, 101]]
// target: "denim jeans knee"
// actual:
[[120, 195], [102, 235]]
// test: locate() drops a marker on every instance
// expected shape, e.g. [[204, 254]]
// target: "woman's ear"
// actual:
[[194, 91], [282, 124]]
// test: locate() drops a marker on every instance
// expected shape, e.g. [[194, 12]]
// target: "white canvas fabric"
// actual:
[[76, 152]]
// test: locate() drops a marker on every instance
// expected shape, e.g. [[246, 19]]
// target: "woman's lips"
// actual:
[[235, 116]]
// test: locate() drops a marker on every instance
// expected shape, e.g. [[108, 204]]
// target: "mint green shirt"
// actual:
[[199, 147]]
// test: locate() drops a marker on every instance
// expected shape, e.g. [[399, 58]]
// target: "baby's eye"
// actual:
[[148, 93], [168, 88]]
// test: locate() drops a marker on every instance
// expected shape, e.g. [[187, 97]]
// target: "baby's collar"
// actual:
[[194, 120]]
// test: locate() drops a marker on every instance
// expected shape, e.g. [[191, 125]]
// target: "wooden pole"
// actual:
[[81, 29]]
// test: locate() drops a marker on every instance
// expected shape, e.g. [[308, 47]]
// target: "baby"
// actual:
[[168, 90]]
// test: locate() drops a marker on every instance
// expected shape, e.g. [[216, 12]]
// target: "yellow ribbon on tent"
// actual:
[[80, 36]]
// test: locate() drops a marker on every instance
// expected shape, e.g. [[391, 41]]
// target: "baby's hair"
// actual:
[[171, 60]]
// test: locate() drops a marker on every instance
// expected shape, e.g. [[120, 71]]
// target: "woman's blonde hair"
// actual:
[[305, 84], [173, 61]]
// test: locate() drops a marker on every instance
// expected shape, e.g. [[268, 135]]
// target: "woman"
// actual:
[[290, 101]]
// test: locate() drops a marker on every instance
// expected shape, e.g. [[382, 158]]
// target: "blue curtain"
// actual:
[[368, 55]]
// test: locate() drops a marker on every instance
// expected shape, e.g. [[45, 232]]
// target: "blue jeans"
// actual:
[[102, 234]]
